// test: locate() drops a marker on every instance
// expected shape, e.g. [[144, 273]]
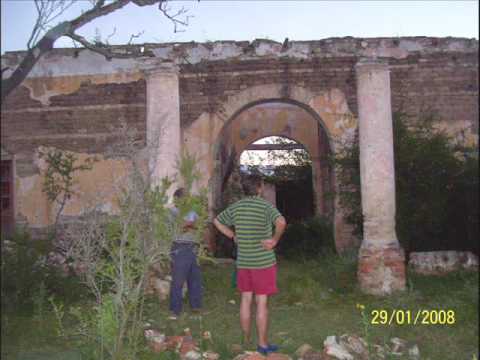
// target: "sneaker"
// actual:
[[267, 349]]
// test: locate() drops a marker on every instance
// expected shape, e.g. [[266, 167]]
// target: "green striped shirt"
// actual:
[[252, 218]]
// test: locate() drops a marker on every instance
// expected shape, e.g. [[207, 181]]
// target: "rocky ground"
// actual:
[[344, 347]]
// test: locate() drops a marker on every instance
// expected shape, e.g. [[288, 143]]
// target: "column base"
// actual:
[[381, 270]]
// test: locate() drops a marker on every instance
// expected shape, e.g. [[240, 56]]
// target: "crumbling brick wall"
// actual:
[[71, 104]]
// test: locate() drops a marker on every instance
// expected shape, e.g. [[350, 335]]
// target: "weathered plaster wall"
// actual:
[[99, 186], [75, 113], [73, 98]]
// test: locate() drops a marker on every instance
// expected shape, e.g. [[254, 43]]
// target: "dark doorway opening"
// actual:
[[6, 183], [294, 198]]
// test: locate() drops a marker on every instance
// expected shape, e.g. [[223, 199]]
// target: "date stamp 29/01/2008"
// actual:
[[412, 317]]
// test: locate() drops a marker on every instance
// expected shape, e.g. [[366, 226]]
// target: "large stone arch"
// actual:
[[329, 108], [274, 118]]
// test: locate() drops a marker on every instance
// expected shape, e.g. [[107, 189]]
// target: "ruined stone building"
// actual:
[[215, 99]]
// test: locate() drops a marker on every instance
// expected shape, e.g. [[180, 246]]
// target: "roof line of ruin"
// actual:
[[149, 56], [426, 41]]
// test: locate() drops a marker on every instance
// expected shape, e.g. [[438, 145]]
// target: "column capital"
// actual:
[[162, 70], [371, 64]]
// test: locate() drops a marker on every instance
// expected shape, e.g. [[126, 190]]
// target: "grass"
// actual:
[[317, 299]]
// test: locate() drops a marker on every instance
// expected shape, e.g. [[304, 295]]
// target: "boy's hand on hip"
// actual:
[[269, 244]]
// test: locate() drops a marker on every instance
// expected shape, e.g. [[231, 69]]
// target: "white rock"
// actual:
[[441, 262], [330, 340], [332, 348], [380, 351], [193, 355], [471, 261], [338, 352], [398, 346], [414, 352], [155, 336], [210, 355], [354, 343], [302, 350], [162, 288]]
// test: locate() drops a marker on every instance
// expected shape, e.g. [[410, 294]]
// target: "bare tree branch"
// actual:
[[49, 10], [96, 12], [36, 27], [105, 51], [174, 18], [111, 35], [62, 8], [135, 36]]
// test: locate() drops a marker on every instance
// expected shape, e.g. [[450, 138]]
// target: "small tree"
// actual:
[[59, 177]]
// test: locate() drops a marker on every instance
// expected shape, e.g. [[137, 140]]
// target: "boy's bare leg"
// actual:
[[245, 315], [262, 319]]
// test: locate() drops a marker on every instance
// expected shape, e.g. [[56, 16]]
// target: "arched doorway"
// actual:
[[275, 117]]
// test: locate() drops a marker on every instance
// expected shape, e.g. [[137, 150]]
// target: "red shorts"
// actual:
[[258, 281]]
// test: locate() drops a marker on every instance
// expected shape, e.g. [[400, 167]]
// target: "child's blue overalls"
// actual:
[[185, 268]]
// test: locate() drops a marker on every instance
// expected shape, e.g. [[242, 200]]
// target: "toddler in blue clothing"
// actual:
[[184, 262]]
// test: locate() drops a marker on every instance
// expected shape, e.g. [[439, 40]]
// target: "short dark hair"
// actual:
[[179, 193], [251, 183]]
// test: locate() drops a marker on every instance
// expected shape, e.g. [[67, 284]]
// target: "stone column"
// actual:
[[163, 122], [381, 267]]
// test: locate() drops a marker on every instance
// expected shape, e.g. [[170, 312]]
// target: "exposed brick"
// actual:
[[20, 99], [92, 94], [443, 83]]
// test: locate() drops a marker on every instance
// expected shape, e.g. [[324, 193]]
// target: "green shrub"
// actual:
[[21, 268], [338, 271], [300, 288], [28, 276], [307, 239], [436, 189]]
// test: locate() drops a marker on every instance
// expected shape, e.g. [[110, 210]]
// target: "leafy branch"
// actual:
[[58, 177]]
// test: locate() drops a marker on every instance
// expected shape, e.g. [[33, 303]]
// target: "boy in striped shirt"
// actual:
[[249, 221]]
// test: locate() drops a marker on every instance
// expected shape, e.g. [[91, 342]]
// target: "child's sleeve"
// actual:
[[273, 213], [225, 217]]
